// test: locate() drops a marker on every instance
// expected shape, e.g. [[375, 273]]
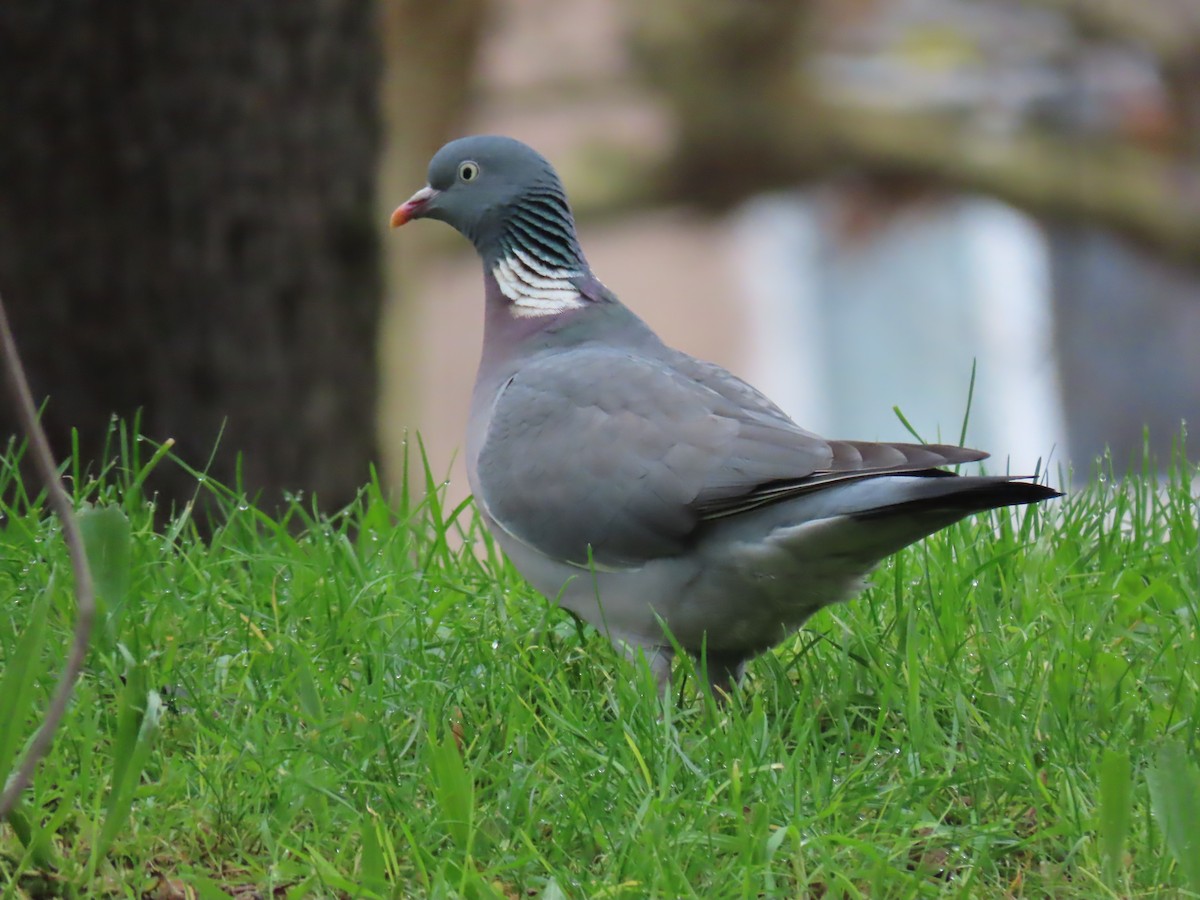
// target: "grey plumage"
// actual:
[[637, 485]]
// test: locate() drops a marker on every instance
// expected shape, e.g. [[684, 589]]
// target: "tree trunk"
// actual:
[[187, 228]]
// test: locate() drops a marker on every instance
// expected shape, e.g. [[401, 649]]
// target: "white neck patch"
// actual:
[[535, 288]]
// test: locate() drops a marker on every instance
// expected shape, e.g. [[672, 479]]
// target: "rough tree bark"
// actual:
[[187, 228]]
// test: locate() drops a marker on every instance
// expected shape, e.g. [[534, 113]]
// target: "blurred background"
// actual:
[[854, 204]]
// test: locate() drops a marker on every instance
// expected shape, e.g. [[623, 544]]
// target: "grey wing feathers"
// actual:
[[852, 460], [846, 459], [854, 455], [729, 386], [606, 455], [844, 455]]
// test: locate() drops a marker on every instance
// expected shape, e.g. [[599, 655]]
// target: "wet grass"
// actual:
[[373, 704]]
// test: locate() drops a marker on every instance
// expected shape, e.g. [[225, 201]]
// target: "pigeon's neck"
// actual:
[[536, 260], [510, 336]]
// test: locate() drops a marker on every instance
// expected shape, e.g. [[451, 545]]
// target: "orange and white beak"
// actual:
[[413, 207]]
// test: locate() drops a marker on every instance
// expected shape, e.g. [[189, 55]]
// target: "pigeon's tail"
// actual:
[[960, 496], [873, 517], [917, 506]]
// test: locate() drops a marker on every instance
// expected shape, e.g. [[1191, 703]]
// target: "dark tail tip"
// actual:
[[970, 494], [1005, 492]]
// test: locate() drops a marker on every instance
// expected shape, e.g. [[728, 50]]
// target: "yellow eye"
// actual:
[[468, 171]]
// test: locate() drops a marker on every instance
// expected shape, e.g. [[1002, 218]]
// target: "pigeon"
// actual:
[[654, 495]]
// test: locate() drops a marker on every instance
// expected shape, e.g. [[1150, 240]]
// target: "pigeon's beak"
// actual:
[[414, 206]]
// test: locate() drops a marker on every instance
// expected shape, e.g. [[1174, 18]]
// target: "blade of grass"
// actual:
[[962, 434], [131, 751], [1175, 802], [907, 425], [107, 540], [21, 673], [1116, 811], [372, 868], [454, 790]]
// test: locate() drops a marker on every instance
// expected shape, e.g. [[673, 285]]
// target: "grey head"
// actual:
[[504, 197]]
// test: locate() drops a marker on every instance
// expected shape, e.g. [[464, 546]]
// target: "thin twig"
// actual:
[[85, 604]]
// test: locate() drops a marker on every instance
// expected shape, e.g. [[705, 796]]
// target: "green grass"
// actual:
[[358, 706]]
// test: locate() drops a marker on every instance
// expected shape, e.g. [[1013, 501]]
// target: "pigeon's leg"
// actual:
[[723, 673], [657, 658]]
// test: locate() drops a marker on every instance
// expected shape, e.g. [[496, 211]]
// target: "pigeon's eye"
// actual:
[[468, 171]]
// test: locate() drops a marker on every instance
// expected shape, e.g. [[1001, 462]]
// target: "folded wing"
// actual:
[[606, 456]]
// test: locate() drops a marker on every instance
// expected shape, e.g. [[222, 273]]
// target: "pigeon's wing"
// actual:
[[848, 459], [601, 456]]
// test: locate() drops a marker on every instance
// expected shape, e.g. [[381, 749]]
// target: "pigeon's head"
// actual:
[[476, 184]]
